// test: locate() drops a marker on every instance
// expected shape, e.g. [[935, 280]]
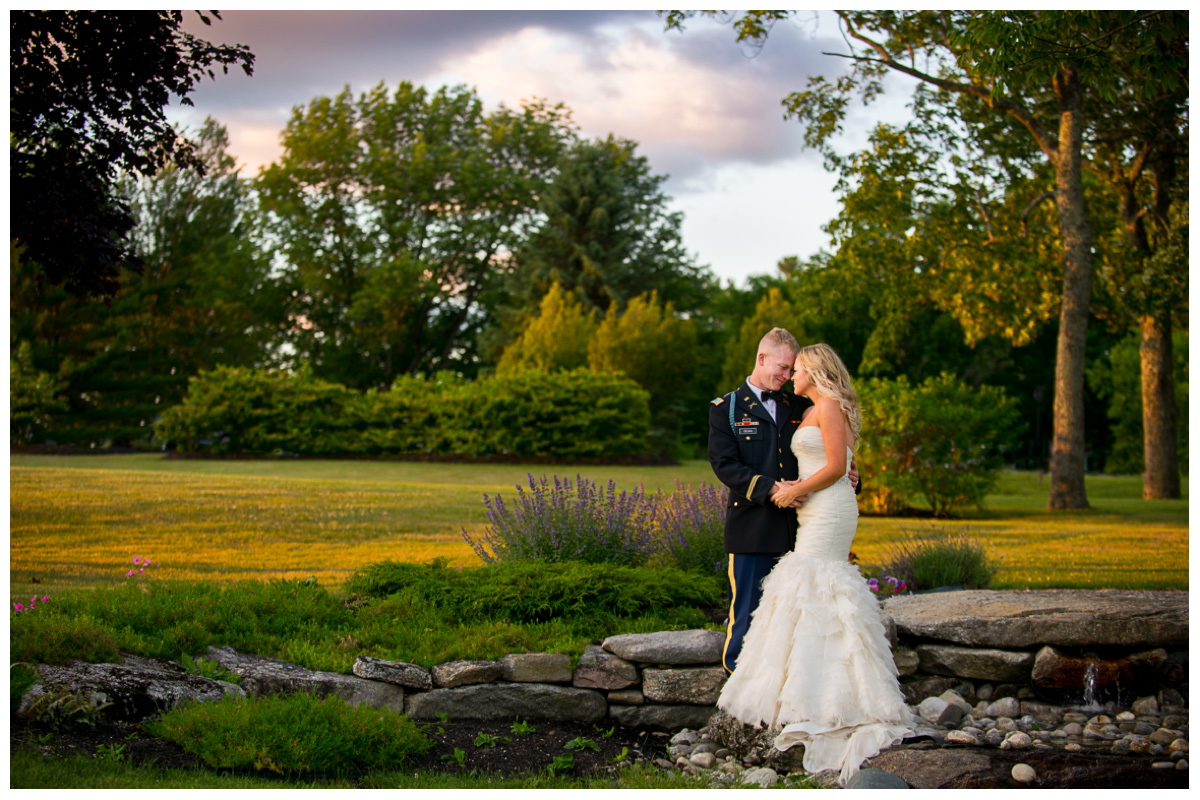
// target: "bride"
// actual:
[[816, 660]]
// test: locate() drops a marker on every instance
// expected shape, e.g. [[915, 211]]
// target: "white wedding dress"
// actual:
[[816, 660]]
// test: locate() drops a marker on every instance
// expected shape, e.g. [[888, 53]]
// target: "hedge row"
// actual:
[[576, 414]]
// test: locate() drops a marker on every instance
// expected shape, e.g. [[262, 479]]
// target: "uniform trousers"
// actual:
[[744, 579]]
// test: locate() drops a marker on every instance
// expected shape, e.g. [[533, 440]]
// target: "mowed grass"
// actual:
[[77, 522]]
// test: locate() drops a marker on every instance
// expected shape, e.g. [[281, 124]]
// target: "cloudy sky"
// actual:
[[703, 109]]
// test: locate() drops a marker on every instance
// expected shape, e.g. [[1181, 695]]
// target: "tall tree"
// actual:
[[88, 89], [206, 297], [608, 233], [397, 212], [1034, 68]]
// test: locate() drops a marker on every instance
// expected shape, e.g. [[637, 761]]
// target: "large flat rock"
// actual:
[[1063, 618], [137, 688]]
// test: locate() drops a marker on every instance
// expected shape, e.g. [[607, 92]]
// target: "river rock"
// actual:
[[536, 668], [960, 737], [764, 777], [401, 673], [266, 676], [955, 699], [1144, 706], [1015, 620], [1004, 707], [1023, 773], [600, 669], [668, 647], [661, 717], [967, 662], [698, 685], [137, 688], [509, 700], [465, 673], [931, 708]]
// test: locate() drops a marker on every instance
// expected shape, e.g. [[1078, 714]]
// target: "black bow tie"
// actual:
[[768, 394]]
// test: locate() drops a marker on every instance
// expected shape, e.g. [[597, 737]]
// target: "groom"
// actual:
[[749, 446]]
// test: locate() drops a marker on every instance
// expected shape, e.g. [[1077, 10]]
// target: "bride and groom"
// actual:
[[805, 647]]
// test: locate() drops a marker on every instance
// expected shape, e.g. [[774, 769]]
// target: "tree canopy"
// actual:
[[87, 96]]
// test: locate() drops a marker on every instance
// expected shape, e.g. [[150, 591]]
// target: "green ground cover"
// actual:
[[77, 522]]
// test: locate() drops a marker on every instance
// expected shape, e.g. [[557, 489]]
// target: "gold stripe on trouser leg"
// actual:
[[729, 628]]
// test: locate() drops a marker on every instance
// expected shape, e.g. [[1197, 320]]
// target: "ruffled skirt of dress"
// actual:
[[816, 661]]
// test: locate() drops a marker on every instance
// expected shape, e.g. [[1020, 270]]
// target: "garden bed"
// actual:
[[522, 754]]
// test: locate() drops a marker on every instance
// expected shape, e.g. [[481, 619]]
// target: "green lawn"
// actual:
[[79, 521]]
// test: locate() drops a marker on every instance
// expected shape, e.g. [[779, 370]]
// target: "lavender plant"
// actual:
[[567, 522], [691, 527]]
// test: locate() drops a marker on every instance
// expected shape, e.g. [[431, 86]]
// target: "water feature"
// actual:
[[1090, 700]]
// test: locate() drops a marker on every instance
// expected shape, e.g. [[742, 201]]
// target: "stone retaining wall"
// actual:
[[1031, 645]]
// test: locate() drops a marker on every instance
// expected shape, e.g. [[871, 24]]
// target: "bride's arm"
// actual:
[[832, 423]]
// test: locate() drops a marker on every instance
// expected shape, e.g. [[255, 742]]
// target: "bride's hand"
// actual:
[[783, 496]]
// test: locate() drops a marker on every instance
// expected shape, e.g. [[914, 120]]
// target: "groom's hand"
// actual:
[[853, 475]]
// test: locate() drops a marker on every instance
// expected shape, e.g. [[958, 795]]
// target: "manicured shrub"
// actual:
[[235, 409], [573, 414], [577, 414], [933, 557], [567, 522], [943, 440], [292, 734], [691, 527]]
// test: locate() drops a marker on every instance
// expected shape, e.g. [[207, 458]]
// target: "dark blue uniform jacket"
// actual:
[[748, 458]]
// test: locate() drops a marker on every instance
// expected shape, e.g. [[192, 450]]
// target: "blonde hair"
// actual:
[[778, 339], [832, 379]]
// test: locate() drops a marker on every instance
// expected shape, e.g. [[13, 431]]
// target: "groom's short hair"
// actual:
[[779, 339]]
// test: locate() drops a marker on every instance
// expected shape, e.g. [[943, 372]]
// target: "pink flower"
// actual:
[[18, 607], [143, 569], [136, 560], [129, 574], [46, 598]]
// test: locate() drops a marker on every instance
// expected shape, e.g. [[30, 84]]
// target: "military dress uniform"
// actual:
[[749, 451]]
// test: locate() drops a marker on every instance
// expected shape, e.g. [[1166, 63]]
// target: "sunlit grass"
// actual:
[[78, 522]]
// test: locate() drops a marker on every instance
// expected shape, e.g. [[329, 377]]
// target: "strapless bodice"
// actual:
[[809, 446]]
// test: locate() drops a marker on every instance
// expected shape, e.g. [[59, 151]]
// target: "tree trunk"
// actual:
[[1161, 480], [1067, 464]]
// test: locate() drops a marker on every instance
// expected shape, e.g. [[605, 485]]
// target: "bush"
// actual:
[[942, 439], [566, 522], [575, 414], [578, 414], [691, 528], [536, 592], [297, 733], [934, 557], [236, 409]]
